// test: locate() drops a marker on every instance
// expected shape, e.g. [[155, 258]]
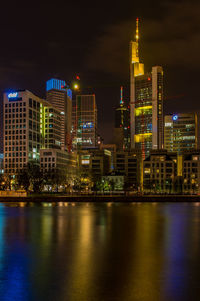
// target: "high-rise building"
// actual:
[[1, 136], [182, 132], [146, 103], [31, 124], [60, 97], [122, 125], [86, 121]]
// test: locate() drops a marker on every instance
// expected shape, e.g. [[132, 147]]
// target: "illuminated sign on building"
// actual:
[[175, 117], [13, 95]]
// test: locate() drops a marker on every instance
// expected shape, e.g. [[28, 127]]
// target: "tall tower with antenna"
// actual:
[[122, 124], [146, 102], [136, 69]]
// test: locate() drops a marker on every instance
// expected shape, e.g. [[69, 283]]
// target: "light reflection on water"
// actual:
[[86, 251]]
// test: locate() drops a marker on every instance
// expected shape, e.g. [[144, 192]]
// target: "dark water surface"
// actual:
[[93, 252]]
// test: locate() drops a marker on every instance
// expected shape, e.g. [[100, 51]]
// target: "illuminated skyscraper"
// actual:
[[61, 98], [122, 125], [86, 121], [182, 132], [31, 124], [146, 103], [1, 136]]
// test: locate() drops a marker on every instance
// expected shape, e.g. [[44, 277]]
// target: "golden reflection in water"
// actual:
[[83, 260], [102, 252], [195, 230], [145, 263]]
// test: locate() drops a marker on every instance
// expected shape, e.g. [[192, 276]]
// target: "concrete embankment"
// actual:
[[102, 198]]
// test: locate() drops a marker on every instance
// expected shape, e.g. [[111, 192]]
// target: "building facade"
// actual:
[[60, 96], [182, 132], [191, 172], [160, 172], [86, 122], [128, 163], [146, 104], [31, 124], [52, 160], [95, 162]]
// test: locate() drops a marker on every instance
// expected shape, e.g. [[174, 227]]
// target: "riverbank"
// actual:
[[102, 198]]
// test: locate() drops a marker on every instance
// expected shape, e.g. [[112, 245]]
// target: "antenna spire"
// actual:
[[137, 30], [121, 96], [137, 36]]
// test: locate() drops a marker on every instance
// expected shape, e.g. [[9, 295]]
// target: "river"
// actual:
[[99, 252]]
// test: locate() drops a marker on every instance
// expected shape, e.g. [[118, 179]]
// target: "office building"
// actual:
[[31, 124], [122, 125], [1, 126], [86, 122], [112, 148], [182, 132], [146, 103], [1, 136], [128, 163], [95, 162], [160, 171], [58, 160], [60, 96], [191, 172]]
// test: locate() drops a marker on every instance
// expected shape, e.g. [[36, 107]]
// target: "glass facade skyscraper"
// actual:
[[60, 96], [146, 103], [148, 111], [31, 124], [182, 132], [86, 121]]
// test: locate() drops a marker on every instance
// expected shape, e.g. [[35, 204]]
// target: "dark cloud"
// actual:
[[173, 39]]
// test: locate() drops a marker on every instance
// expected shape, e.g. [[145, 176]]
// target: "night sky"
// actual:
[[91, 38]]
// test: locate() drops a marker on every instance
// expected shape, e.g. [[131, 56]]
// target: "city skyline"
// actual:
[[165, 40]]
